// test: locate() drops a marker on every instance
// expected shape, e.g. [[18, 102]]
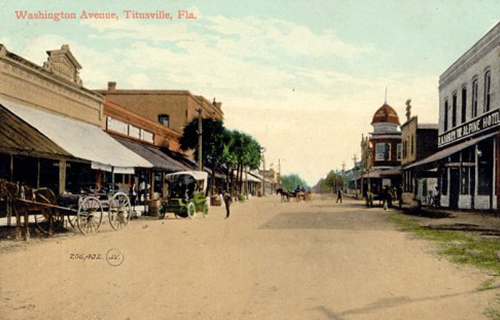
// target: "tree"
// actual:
[[213, 142], [292, 181]]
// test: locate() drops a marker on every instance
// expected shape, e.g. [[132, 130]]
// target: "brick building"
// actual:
[[385, 148], [172, 108]]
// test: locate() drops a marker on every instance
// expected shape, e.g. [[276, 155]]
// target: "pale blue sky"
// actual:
[[304, 77]]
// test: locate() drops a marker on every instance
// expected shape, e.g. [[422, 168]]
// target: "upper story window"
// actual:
[[400, 151], [474, 97], [164, 119], [464, 103], [454, 110], [487, 86], [382, 152], [446, 115]]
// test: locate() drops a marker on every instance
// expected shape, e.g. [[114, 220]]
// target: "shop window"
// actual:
[[382, 152], [454, 110], [485, 168], [487, 86], [474, 97], [400, 151], [164, 119], [445, 115], [464, 104]]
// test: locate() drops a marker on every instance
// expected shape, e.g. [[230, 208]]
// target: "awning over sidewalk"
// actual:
[[80, 139], [448, 151], [19, 138], [156, 157], [387, 173]]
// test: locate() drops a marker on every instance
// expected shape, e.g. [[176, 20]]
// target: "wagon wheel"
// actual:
[[120, 211], [204, 209], [191, 210], [43, 219], [89, 215]]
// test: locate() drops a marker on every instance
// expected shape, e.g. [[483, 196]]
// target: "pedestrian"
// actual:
[[385, 197], [339, 196], [227, 202]]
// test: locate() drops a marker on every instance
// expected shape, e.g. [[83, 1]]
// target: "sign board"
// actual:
[[117, 126], [468, 129]]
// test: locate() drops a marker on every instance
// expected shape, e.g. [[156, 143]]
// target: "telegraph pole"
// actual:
[[200, 140], [343, 176], [355, 181]]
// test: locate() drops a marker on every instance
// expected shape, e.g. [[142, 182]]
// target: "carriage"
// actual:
[[187, 194], [83, 211]]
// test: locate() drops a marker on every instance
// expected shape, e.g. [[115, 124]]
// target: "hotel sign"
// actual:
[[483, 123]]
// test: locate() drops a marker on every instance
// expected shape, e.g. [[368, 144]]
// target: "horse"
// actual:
[[284, 194], [16, 193]]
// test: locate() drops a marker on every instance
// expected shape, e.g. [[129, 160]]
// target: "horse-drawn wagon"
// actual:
[[83, 211]]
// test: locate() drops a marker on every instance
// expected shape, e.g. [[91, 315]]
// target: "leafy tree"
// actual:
[[213, 142], [291, 181]]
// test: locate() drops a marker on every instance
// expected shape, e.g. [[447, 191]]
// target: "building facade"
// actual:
[[172, 108], [419, 142], [469, 118]]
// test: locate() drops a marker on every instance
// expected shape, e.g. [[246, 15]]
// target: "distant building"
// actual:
[[382, 164]]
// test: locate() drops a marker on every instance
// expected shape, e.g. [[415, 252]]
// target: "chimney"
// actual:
[[218, 104], [111, 86]]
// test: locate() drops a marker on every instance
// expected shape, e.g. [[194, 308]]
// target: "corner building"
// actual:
[[469, 119]]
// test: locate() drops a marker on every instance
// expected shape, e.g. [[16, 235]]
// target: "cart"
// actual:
[[187, 194], [84, 212]]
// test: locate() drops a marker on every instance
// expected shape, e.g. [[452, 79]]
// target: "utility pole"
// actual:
[[200, 139], [355, 181]]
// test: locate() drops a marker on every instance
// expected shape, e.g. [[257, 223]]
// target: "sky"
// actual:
[[303, 77]]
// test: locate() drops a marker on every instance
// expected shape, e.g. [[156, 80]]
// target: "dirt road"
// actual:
[[270, 260]]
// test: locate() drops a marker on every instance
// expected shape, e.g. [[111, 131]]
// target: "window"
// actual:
[[464, 104], [474, 98], [454, 110], [400, 151], [445, 115], [382, 152], [164, 119], [412, 143], [485, 167], [487, 85]]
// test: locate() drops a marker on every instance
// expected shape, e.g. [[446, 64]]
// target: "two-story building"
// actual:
[[419, 142], [469, 119]]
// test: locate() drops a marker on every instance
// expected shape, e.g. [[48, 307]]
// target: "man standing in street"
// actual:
[[339, 196], [227, 202]]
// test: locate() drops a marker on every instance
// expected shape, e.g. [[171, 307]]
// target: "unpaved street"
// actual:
[[270, 260]]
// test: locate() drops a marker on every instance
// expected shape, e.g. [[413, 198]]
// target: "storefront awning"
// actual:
[[82, 140], [19, 138], [448, 151], [387, 173], [156, 157]]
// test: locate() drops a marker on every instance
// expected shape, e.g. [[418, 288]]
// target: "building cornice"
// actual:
[[481, 48]]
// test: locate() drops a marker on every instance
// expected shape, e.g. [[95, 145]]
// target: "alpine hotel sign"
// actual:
[[483, 123]]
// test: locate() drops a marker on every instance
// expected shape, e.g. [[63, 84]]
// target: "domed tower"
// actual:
[[385, 138]]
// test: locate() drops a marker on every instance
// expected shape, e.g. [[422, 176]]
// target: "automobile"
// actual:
[[186, 194]]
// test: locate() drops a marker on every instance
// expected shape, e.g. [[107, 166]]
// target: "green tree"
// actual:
[[214, 140], [291, 181]]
